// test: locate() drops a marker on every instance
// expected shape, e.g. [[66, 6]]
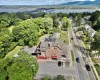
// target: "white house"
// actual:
[[90, 29]]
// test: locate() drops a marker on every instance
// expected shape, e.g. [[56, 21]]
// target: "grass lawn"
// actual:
[[98, 69], [10, 28], [95, 60], [64, 36], [15, 50], [72, 54], [94, 73]]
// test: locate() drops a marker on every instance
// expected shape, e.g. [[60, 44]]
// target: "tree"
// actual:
[[66, 23], [48, 24], [81, 28], [5, 41], [3, 72], [94, 16], [78, 21], [56, 23], [59, 77], [95, 42], [21, 66], [26, 33], [8, 19]]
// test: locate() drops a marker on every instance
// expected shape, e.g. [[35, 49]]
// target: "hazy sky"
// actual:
[[35, 2]]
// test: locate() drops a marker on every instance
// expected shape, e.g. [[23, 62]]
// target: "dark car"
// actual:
[[77, 60], [72, 38], [64, 56], [59, 63], [88, 67]]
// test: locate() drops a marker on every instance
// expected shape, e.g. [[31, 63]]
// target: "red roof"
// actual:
[[41, 57]]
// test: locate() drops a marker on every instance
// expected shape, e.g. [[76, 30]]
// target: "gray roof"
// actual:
[[56, 35], [52, 40], [91, 30], [29, 49], [46, 44], [64, 49]]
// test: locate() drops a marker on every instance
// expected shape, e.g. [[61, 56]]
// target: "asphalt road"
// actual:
[[83, 52], [81, 71]]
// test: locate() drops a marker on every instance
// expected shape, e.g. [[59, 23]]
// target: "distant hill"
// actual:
[[97, 2]]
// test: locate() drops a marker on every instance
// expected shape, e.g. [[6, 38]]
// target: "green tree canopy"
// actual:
[[22, 66], [26, 33]]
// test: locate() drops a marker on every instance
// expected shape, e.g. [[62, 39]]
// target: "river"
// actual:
[[49, 11]]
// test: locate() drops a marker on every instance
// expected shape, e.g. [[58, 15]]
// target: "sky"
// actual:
[[36, 2]]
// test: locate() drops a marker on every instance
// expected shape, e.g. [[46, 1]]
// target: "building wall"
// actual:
[[52, 52], [42, 56]]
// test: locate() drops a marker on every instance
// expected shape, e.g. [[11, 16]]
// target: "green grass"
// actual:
[[14, 51], [94, 73], [95, 60], [10, 28], [98, 69], [72, 54], [64, 36]]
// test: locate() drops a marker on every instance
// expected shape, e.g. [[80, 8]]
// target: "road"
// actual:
[[81, 71], [83, 52]]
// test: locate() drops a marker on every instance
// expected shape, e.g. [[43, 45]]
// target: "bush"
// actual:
[[12, 46], [59, 77]]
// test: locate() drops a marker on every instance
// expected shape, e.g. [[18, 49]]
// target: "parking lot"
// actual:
[[51, 68]]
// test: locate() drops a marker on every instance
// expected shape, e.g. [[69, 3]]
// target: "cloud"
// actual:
[[35, 2]]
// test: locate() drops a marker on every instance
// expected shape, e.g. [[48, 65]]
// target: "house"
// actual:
[[30, 50], [90, 30], [50, 48]]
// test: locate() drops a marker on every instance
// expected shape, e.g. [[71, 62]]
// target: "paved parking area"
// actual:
[[51, 68]]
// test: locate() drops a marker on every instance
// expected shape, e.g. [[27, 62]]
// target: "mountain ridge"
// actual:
[[97, 2]]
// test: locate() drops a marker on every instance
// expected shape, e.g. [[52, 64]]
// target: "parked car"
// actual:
[[88, 68], [72, 38], [64, 56], [77, 60], [59, 63]]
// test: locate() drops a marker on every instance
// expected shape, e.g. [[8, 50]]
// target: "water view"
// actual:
[[49, 11], [71, 10]]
